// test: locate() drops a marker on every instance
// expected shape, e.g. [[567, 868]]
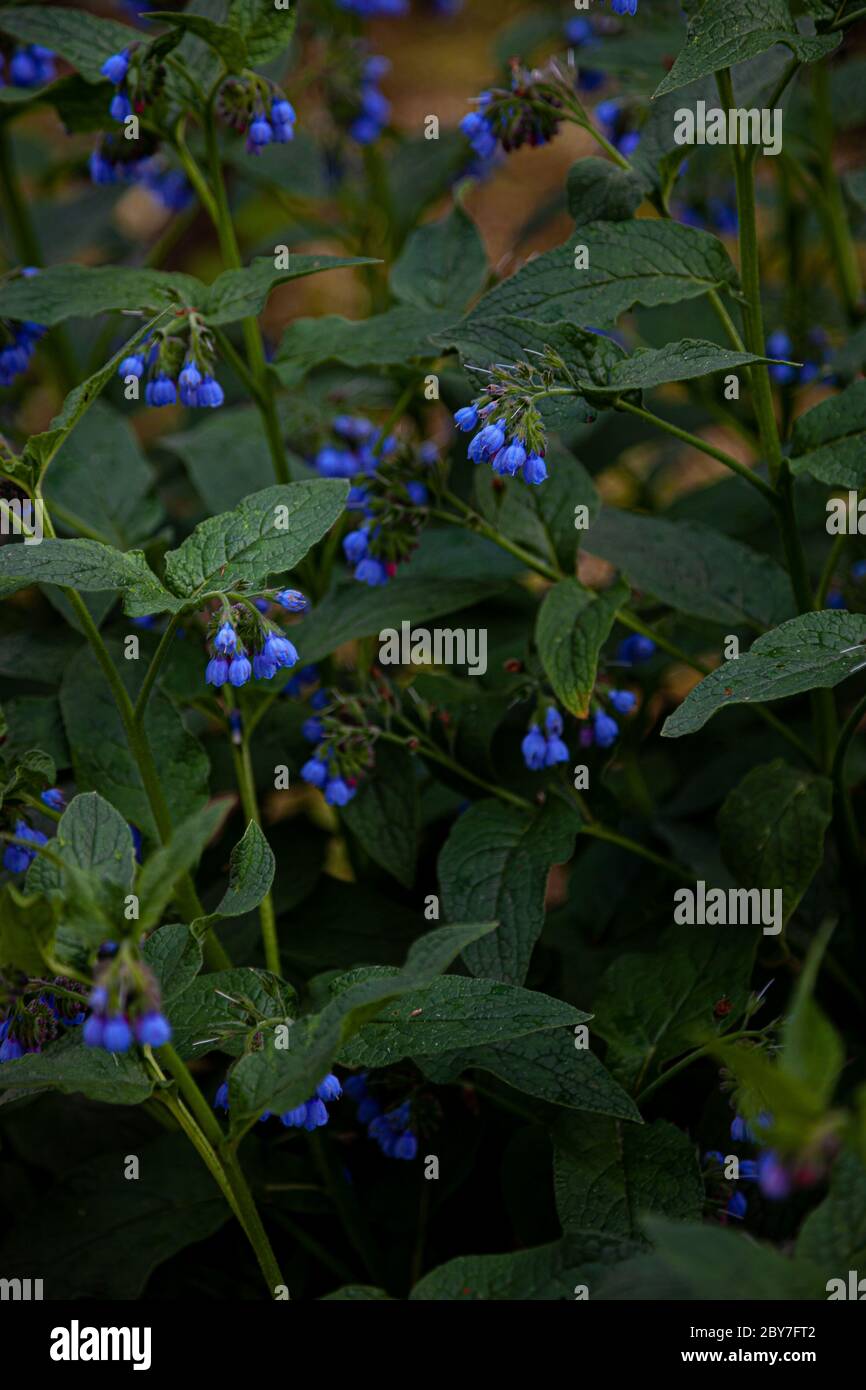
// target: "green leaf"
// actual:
[[269, 533], [160, 873], [251, 873], [102, 481], [87, 566], [573, 625], [833, 1236], [655, 1005], [175, 957], [547, 1065], [74, 1234], [682, 361], [647, 261], [101, 756], [597, 190], [724, 32], [693, 568], [813, 651], [543, 519], [117, 1078], [546, 1272], [399, 335], [238, 294], [27, 928], [451, 1013], [82, 39], [41, 448], [384, 816], [276, 1079], [713, 1263], [608, 1176], [94, 842], [771, 829], [225, 41], [266, 30], [77, 291], [495, 864], [829, 441], [221, 1010], [442, 266]]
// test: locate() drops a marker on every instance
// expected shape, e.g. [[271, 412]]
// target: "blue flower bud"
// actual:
[[371, 571], [190, 376], [406, 1146], [226, 640], [555, 752], [329, 1088], [116, 1034], [217, 671], [260, 133], [623, 701], [553, 721], [292, 600], [280, 650], [221, 1099], [162, 390], [317, 1114], [153, 1029], [466, 418], [115, 68], [605, 729], [131, 366], [314, 772], [534, 470], [120, 107], [312, 730], [355, 546], [418, 494], [210, 394], [293, 1119], [53, 797], [240, 670], [533, 748], [338, 792], [282, 112]]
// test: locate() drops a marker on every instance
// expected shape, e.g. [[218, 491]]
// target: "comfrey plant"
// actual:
[[426, 976]]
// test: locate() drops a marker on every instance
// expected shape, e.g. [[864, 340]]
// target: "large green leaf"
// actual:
[[573, 625], [771, 829], [608, 1176], [654, 1005], [641, 262], [548, 1272], [220, 1010], [453, 1013], [88, 566], [813, 651], [236, 294], [682, 361], [83, 39], [442, 266], [399, 335], [227, 42], [118, 1078], [829, 441], [384, 816], [599, 191], [494, 865], [101, 480], [724, 32], [693, 568], [94, 842], [276, 1079], [267, 534], [72, 1236], [251, 873], [266, 30], [546, 1065]]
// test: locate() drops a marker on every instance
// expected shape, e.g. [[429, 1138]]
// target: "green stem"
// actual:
[[705, 447], [154, 668], [687, 1062], [613, 837], [834, 555], [247, 787]]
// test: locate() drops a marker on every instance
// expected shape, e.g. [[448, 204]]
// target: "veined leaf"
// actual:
[[83, 39], [829, 441], [573, 625]]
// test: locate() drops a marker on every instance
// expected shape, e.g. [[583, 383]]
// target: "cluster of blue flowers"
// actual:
[[277, 127], [634, 649], [29, 1026], [322, 771], [15, 356], [115, 69], [359, 444], [771, 1175], [311, 1115], [271, 651], [614, 118], [779, 344], [29, 66], [490, 445], [373, 107], [16, 858], [116, 1032], [390, 1129], [194, 388], [545, 749]]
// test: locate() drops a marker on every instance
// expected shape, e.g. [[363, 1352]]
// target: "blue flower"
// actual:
[[737, 1205], [466, 418], [605, 729], [406, 1146], [282, 112], [418, 494], [17, 858], [217, 671], [10, 1049], [534, 469], [740, 1131], [190, 376], [312, 730], [553, 721], [330, 1088], [555, 752], [226, 640], [153, 1029], [315, 772], [773, 1178], [132, 366], [293, 601], [53, 797], [293, 1119], [355, 1087], [534, 748], [116, 67], [338, 792], [623, 701], [635, 648], [510, 459], [260, 134], [280, 650], [317, 1114], [120, 106], [240, 670], [355, 546], [161, 391], [116, 1034], [210, 393], [221, 1099], [624, 6], [371, 571]]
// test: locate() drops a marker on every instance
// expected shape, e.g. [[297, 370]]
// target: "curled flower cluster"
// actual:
[[312, 1114], [31, 1022], [177, 368], [125, 1003], [338, 728], [373, 107], [259, 110], [543, 745], [240, 633], [545, 749], [391, 1129], [527, 114], [775, 1179], [30, 65], [492, 445]]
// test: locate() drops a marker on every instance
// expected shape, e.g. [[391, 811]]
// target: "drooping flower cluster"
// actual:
[[506, 453], [37, 1013], [312, 1114], [543, 745], [374, 108], [244, 643], [29, 65], [259, 110], [354, 450], [391, 1129], [125, 1003], [178, 366], [527, 114]]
